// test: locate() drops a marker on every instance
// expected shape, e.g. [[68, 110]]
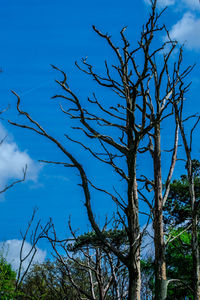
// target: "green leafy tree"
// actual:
[[46, 281], [177, 220], [90, 268], [7, 280], [117, 237], [49, 281], [177, 210], [179, 260], [178, 223]]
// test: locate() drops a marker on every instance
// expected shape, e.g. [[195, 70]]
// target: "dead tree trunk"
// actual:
[[132, 210], [160, 263], [133, 232]]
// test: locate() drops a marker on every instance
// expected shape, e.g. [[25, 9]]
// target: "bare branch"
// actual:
[[15, 182]]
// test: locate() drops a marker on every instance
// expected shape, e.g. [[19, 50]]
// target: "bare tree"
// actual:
[[27, 257], [144, 86]]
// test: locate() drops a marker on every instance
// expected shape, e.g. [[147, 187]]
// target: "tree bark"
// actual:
[[133, 206], [134, 283], [134, 233], [160, 264]]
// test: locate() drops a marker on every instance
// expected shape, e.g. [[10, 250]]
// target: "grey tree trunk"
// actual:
[[160, 264], [133, 207], [134, 236]]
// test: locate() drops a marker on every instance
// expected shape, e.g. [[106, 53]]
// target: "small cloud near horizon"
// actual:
[[13, 161], [10, 250]]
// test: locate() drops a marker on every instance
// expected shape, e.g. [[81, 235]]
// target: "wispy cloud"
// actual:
[[187, 31], [180, 4], [10, 250], [192, 4], [162, 3], [13, 161]]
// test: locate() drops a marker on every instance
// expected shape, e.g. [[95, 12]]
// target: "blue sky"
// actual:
[[35, 34]]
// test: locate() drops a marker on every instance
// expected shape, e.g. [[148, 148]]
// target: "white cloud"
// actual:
[[13, 161], [10, 250], [187, 31]]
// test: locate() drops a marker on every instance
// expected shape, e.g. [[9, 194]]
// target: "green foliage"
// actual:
[[7, 280], [116, 237], [49, 281], [177, 209], [179, 262], [45, 281], [179, 266], [177, 215]]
